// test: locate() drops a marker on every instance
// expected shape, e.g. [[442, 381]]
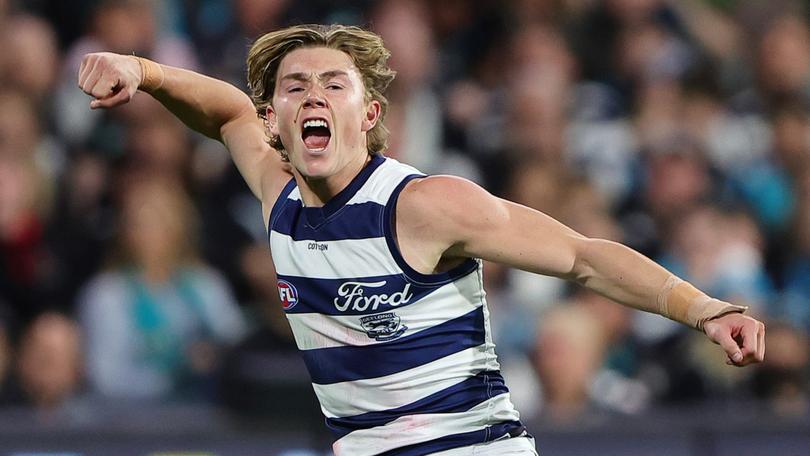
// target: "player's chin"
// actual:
[[315, 165]]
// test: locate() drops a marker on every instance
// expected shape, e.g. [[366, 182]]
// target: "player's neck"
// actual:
[[315, 192]]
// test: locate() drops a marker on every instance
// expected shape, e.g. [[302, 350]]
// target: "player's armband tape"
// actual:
[[153, 75], [682, 302]]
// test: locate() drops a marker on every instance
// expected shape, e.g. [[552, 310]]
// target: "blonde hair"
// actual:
[[365, 48]]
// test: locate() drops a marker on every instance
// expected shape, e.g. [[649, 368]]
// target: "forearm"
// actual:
[[632, 279], [217, 110], [204, 104]]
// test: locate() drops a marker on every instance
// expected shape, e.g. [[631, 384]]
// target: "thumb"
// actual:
[[722, 336], [120, 97]]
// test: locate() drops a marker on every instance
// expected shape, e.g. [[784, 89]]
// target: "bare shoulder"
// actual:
[[433, 194], [448, 206]]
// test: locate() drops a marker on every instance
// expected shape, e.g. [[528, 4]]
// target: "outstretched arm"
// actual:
[[455, 218], [207, 105]]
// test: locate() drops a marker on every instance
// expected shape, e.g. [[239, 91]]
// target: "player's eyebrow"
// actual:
[[303, 77], [296, 77], [331, 74]]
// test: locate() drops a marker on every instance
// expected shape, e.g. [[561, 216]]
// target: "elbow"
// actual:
[[243, 113], [582, 272], [582, 268]]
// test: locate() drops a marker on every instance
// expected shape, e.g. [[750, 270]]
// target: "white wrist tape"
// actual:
[[152, 75], [680, 301]]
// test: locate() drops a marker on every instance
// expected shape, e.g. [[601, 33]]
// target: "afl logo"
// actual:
[[288, 294]]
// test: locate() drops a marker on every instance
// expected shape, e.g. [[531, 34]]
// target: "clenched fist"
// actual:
[[742, 338], [111, 79]]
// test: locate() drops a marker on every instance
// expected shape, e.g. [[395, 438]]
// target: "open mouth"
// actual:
[[316, 134]]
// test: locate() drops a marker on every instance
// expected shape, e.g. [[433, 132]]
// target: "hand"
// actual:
[[111, 79], [742, 338]]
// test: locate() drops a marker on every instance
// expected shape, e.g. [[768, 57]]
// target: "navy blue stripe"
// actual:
[[343, 364], [317, 215], [415, 276], [457, 398], [278, 206], [353, 221], [457, 440], [330, 296]]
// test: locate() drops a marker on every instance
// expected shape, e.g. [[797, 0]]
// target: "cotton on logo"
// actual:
[[288, 294]]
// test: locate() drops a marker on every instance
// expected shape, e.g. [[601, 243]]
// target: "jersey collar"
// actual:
[[316, 216]]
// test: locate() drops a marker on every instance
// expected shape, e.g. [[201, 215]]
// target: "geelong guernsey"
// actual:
[[402, 362]]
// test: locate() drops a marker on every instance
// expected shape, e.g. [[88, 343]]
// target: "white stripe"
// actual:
[[403, 388], [343, 258], [295, 194], [514, 446], [378, 187], [487, 325], [412, 429], [314, 331], [382, 182]]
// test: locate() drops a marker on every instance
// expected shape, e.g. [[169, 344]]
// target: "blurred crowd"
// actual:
[[133, 259]]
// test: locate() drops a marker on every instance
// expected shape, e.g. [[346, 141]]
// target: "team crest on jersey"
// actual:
[[288, 294], [383, 327]]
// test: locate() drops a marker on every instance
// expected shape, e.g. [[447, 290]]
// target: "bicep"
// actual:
[[505, 232], [525, 239]]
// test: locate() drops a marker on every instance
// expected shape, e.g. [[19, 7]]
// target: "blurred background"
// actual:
[[138, 306]]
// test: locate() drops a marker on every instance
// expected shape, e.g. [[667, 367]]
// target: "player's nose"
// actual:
[[314, 99]]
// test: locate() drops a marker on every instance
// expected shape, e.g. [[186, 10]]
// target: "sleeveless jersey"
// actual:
[[402, 362]]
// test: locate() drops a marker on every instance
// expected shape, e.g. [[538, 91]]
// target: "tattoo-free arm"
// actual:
[[207, 105], [460, 219]]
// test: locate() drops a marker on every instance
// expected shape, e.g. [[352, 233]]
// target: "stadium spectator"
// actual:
[[569, 351], [27, 279], [796, 296], [49, 362], [31, 56], [685, 126], [415, 117], [722, 251], [156, 321], [128, 26], [783, 381]]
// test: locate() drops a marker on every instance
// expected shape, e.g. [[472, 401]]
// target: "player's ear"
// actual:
[[271, 120], [373, 110]]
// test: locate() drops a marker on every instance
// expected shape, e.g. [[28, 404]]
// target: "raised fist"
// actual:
[[111, 79]]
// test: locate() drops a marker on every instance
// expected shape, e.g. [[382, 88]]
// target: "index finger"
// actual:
[[118, 98], [86, 69], [750, 342]]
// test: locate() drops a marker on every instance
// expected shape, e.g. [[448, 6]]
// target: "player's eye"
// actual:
[[334, 87], [295, 89]]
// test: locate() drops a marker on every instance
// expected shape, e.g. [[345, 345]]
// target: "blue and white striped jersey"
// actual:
[[402, 362]]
